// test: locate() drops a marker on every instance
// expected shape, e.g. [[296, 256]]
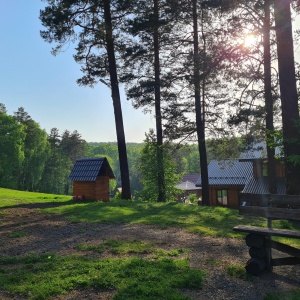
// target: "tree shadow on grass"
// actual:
[[40, 205]]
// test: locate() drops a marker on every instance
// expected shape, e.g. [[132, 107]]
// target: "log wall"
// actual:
[[232, 195], [102, 188], [84, 188], [258, 166], [90, 190]]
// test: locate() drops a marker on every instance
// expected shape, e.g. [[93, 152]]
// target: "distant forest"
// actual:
[[33, 160]]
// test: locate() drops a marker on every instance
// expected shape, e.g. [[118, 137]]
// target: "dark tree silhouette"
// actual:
[[288, 91], [91, 24], [198, 109]]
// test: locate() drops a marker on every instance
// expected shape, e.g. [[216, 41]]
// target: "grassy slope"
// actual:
[[215, 221], [13, 198]]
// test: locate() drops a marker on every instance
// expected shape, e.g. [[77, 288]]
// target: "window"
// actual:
[[222, 197], [264, 169]]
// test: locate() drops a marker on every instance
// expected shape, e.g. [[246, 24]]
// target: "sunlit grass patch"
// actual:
[[13, 197], [288, 241], [239, 271], [212, 221], [204, 230], [159, 253], [135, 246], [131, 246], [119, 247], [46, 276]]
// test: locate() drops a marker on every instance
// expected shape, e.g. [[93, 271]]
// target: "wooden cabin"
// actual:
[[257, 156], [90, 178], [227, 179]]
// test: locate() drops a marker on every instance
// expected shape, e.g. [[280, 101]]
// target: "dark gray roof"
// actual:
[[193, 177], [188, 186], [228, 172], [88, 169], [257, 150], [260, 186]]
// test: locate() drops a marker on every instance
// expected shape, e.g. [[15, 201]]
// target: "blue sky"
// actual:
[[45, 85]]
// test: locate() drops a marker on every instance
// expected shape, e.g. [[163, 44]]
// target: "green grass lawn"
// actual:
[[45, 276], [213, 221], [161, 276], [14, 198]]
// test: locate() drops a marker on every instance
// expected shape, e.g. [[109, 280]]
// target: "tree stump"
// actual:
[[256, 252], [255, 266], [255, 240]]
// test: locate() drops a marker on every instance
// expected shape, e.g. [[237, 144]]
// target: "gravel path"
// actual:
[[47, 233]]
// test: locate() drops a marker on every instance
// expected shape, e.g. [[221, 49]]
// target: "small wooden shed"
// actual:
[[90, 178]]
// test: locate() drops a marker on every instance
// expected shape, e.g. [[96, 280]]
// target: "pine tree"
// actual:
[[288, 91], [92, 24], [271, 164], [149, 169], [198, 109], [57, 167], [146, 84], [2, 108]]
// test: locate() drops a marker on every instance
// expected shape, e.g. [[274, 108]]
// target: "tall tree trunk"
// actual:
[[203, 77], [126, 192], [199, 119], [271, 164], [288, 90], [159, 132]]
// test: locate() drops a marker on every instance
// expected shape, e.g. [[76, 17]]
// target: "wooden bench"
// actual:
[[259, 239]]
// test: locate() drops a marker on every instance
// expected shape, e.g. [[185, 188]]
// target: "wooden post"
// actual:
[[268, 258]]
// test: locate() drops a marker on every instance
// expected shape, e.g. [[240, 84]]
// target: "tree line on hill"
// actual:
[[193, 64], [33, 160]]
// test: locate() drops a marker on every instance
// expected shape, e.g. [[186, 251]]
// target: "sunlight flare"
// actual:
[[249, 40]]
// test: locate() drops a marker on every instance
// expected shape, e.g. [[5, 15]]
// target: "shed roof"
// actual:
[[88, 169], [228, 172], [193, 177], [260, 186]]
